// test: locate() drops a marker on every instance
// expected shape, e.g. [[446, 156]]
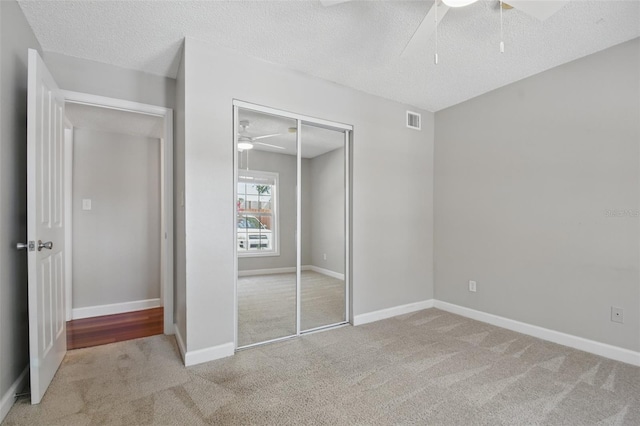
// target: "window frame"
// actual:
[[275, 213]]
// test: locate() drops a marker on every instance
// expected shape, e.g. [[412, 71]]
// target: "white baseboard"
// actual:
[[252, 272], [391, 312], [9, 398], [179, 341], [169, 331], [202, 355], [209, 354], [323, 271], [115, 308], [591, 346]]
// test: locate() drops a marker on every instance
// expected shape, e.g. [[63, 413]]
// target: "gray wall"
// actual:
[[285, 166], [327, 210], [15, 38], [391, 266], [82, 75], [116, 244], [524, 176], [305, 213]]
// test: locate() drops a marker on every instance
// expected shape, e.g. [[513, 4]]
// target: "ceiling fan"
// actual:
[[540, 9], [246, 141]]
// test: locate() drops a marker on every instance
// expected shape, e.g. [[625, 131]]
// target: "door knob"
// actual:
[[48, 245]]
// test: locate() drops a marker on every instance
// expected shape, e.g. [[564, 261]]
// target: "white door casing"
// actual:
[[45, 223]]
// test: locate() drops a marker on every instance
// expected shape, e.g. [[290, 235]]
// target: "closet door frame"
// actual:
[[300, 120]]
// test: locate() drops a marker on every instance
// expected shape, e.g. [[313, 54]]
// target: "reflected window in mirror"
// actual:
[[257, 215]]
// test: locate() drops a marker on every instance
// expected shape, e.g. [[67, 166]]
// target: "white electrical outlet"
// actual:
[[617, 315], [472, 286], [324, 256], [86, 204]]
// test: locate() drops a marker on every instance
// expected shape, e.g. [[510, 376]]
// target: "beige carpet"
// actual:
[[429, 367], [267, 305]]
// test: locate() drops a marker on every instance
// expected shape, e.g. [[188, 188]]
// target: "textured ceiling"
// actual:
[[357, 44], [114, 121]]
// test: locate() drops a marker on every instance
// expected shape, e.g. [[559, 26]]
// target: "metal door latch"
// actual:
[[31, 246]]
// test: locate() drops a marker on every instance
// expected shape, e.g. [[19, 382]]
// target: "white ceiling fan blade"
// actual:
[[541, 9], [420, 39], [268, 144], [328, 3], [265, 136]]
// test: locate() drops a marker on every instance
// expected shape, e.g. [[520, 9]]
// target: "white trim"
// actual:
[[115, 308], [298, 225], [392, 312], [166, 231], [347, 227], [324, 327], [234, 229], [113, 103], [180, 341], [252, 272], [288, 114], [591, 346], [68, 218], [277, 339], [209, 354], [9, 397], [323, 271]]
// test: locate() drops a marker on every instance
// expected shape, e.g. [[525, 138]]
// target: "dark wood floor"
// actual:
[[82, 333]]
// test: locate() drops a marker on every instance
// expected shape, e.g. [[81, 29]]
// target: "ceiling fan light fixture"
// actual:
[[458, 3], [243, 145]]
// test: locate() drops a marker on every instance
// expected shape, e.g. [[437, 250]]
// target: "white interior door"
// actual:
[[45, 226]]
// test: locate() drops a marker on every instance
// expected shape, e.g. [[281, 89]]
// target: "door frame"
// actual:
[[166, 192], [300, 119]]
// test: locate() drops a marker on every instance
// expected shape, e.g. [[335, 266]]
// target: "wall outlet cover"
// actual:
[[472, 286]]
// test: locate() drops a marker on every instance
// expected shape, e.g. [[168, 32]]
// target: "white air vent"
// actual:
[[414, 120]]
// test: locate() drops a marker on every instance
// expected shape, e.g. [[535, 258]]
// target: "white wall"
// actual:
[[85, 76], [524, 178], [392, 260], [15, 38], [116, 244]]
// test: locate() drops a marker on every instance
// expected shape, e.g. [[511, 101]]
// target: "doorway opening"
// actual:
[[292, 224], [119, 233]]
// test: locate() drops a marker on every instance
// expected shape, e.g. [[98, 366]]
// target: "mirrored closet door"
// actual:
[[322, 283], [266, 204], [292, 224]]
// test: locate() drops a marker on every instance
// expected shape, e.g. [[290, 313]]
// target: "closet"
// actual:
[[292, 224]]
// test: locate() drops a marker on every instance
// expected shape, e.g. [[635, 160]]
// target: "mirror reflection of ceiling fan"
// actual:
[[540, 9], [246, 141]]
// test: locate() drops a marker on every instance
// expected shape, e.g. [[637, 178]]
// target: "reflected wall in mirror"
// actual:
[[322, 278], [266, 208]]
